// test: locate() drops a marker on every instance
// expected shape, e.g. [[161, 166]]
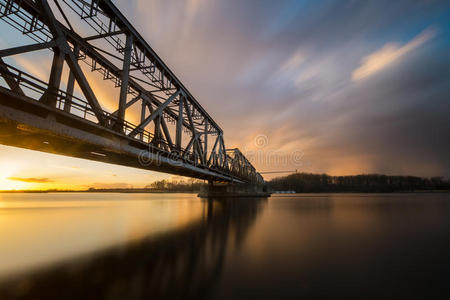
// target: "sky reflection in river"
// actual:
[[37, 229], [179, 247]]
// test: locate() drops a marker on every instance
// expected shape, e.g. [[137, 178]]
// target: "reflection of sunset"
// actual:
[[93, 222]]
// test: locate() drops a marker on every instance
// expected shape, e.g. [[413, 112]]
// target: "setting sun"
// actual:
[[8, 170]]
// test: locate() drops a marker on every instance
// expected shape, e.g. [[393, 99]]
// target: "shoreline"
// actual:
[[139, 191]]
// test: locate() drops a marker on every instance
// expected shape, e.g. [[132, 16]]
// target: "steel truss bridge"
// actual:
[[62, 114]]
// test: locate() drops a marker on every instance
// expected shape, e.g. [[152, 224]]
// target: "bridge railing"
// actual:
[[96, 33], [34, 88]]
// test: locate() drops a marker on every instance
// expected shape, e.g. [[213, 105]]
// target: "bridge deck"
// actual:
[[29, 124]]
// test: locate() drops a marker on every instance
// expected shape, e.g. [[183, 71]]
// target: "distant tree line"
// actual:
[[191, 185], [160, 186], [310, 183]]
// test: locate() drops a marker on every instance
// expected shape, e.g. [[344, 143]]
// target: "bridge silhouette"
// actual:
[[64, 115]]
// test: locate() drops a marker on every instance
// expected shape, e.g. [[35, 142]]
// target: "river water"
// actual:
[[177, 246]]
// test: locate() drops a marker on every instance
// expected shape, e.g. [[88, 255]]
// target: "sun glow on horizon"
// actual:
[[10, 169], [22, 169]]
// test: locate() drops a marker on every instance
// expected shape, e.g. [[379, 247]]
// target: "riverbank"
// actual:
[[132, 191], [142, 191]]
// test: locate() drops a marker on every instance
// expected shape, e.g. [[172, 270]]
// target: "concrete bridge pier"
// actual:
[[233, 190]]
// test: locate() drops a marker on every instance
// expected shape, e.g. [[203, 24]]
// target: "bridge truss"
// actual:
[[94, 36]]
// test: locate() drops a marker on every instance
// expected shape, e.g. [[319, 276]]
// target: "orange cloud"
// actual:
[[31, 180]]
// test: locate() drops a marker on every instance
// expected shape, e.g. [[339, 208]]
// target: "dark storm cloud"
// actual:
[[286, 69]]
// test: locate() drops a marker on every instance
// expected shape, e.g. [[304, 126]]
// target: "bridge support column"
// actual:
[[232, 190], [71, 83], [50, 97], [124, 83]]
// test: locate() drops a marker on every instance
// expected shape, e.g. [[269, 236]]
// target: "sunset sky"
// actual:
[[342, 87]]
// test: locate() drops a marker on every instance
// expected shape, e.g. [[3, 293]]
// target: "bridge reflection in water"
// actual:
[[183, 264]]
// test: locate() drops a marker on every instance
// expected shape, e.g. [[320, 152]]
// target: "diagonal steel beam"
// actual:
[[71, 60], [103, 35], [213, 151], [63, 14], [154, 114], [166, 133], [194, 132], [129, 103], [9, 79], [189, 146]]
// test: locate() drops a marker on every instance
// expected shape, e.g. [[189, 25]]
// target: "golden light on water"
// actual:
[[56, 226]]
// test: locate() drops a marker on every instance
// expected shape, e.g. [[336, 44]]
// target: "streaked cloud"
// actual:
[[192, 8], [31, 179], [389, 54], [292, 63]]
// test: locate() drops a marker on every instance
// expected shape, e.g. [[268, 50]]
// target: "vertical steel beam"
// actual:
[[71, 83], [124, 84], [143, 111], [157, 137], [179, 124], [220, 154], [222, 151], [225, 162], [50, 96], [205, 151]]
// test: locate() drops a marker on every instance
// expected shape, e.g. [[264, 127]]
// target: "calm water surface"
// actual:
[[176, 246]]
